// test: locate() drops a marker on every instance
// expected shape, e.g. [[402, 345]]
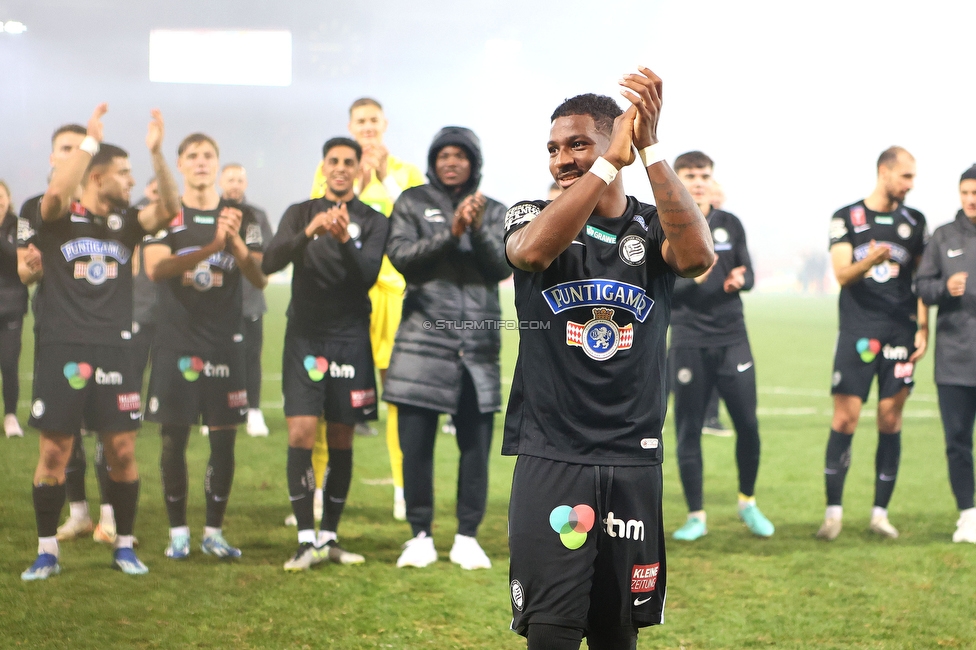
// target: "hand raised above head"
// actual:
[[154, 135], [644, 91], [95, 127]]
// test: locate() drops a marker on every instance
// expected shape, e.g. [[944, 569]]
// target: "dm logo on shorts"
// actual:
[[600, 338], [316, 367], [868, 349], [572, 524], [191, 367], [77, 374]]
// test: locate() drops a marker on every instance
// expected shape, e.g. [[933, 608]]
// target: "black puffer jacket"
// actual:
[[450, 309]]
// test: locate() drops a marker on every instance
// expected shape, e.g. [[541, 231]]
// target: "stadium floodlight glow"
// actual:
[[13, 27], [226, 57]]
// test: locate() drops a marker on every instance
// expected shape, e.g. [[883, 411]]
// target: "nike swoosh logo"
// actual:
[[431, 212], [885, 477], [135, 415], [742, 367], [954, 253], [220, 499], [298, 498], [638, 602], [174, 499]]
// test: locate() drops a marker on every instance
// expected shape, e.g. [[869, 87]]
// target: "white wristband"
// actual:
[[651, 154], [89, 145], [604, 169]]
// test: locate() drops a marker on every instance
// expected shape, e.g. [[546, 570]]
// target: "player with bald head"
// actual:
[[875, 247]]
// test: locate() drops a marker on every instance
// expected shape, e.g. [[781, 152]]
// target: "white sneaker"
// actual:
[[205, 430], [11, 427], [881, 526], [829, 529], [966, 527], [256, 427], [418, 552], [399, 508], [469, 554], [74, 527]]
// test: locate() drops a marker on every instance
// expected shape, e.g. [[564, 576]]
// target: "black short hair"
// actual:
[[106, 154], [889, 156], [331, 143], [693, 160], [68, 128], [604, 110]]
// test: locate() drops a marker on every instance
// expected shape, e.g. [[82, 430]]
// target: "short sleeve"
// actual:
[[521, 214], [26, 224], [840, 227], [251, 232]]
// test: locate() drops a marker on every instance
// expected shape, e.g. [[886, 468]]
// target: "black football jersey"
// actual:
[[704, 315], [330, 281], [589, 384], [201, 308], [885, 296], [86, 293]]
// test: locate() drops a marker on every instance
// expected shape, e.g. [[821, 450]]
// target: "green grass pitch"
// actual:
[[728, 590]]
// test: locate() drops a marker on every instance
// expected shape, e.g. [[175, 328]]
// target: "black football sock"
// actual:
[[301, 486], [48, 502], [74, 473], [337, 479], [124, 498], [836, 464], [172, 471], [886, 462], [220, 474]]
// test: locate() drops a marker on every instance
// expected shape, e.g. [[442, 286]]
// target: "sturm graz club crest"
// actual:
[[600, 337]]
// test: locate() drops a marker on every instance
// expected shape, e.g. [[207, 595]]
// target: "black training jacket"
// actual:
[[952, 249]]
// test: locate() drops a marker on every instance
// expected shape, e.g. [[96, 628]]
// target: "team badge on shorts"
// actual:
[[518, 595], [600, 337], [572, 524]]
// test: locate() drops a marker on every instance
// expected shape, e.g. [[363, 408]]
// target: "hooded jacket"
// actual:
[[952, 249], [451, 308]]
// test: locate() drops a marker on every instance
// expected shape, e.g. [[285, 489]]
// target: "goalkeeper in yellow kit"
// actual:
[[383, 178]]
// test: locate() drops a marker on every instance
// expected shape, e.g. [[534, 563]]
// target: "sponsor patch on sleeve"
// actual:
[[252, 235], [838, 228], [237, 399], [521, 214], [24, 231]]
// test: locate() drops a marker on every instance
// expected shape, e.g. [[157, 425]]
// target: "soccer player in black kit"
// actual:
[[335, 244], [83, 365], [200, 260], [875, 247], [589, 395], [709, 349]]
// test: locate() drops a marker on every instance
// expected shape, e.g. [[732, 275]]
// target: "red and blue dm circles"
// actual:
[[191, 367], [868, 349], [77, 374], [572, 524], [316, 367]]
